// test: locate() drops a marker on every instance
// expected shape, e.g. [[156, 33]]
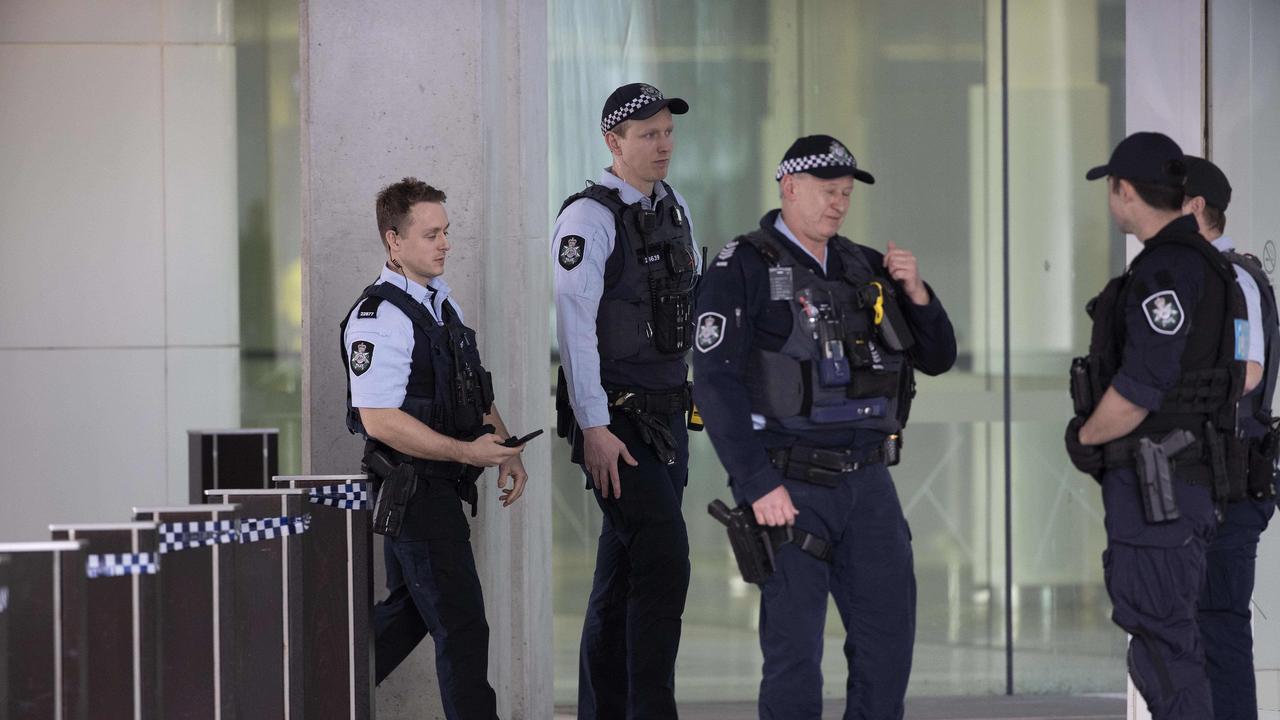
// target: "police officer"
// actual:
[[1224, 613], [625, 268], [418, 393], [1156, 426], [803, 371]]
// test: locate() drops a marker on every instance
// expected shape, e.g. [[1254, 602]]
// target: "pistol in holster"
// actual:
[[394, 485], [752, 547], [1155, 475]]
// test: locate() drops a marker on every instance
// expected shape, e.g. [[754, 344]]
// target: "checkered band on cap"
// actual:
[[186, 535], [837, 156], [273, 527], [648, 94], [347, 496], [122, 564]]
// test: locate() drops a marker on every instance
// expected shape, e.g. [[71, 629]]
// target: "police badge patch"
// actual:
[[570, 255], [710, 331], [1164, 312], [361, 356]]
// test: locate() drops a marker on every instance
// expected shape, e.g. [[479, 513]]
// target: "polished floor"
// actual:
[[1080, 707]]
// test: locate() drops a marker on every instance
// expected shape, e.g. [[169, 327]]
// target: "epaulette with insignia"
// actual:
[[368, 308], [722, 257]]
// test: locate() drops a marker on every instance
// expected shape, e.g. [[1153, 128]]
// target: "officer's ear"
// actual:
[[614, 143], [1193, 206], [392, 239]]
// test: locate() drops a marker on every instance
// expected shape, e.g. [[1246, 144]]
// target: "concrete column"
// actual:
[[456, 94], [1164, 91]]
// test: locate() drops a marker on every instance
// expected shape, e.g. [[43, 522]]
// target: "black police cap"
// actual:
[[823, 156], [1149, 157], [637, 101], [1206, 180]]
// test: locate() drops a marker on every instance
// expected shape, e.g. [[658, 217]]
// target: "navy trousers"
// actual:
[[632, 629], [434, 589], [1224, 609], [872, 578], [1154, 573]]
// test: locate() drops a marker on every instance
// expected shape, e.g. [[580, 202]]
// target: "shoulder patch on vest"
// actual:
[[368, 308], [361, 357], [711, 328], [1164, 312], [726, 252], [570, 253]]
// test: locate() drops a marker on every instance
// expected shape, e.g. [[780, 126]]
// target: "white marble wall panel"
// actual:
[[198, 21], [80, 21], [201, 238], [81, 214], [202, 390], [81, 433]]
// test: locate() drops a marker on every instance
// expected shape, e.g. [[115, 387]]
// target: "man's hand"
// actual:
[[902, 267], [600, 453], [512, 468], [775, 508], [486, 451]]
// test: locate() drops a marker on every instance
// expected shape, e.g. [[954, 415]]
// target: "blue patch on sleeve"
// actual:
[[1242, 339]]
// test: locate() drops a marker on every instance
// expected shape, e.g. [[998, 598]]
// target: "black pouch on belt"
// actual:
[[1155, 476], [395, 485], [1262, 464]]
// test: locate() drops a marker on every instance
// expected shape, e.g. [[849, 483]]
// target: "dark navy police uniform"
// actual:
[[626, 265], [770, 320], [405, 345], [1224, 612]]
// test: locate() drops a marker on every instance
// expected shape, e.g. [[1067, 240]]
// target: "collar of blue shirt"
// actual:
[[629, 194], [432, 295], [781, 227], [1224, 243]]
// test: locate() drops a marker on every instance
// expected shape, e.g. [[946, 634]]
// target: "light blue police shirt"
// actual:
[[1253, 305], [578, 292], [388, 340]]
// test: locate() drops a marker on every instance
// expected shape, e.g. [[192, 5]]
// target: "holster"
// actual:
[[751, 547], [754, 546], [394, 485], [1155, 477]]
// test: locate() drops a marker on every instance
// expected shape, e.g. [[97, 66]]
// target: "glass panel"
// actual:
[[270, 221], [1066, 112], [1244, 63], [914, 90]]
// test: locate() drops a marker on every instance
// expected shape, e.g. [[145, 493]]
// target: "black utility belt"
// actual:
[[1191, 465], [826, 466], [654, 402], [423, 468]]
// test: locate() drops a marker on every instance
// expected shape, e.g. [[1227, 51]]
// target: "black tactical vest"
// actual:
[[448, 390], [644, 326], [1212, 379], [836, 370], [1254, 410]]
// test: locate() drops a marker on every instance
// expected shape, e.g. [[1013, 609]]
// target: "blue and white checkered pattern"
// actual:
[[273, 527], [187, 535], [347, 496], [648, 94], [837, 156], [122, 564]]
